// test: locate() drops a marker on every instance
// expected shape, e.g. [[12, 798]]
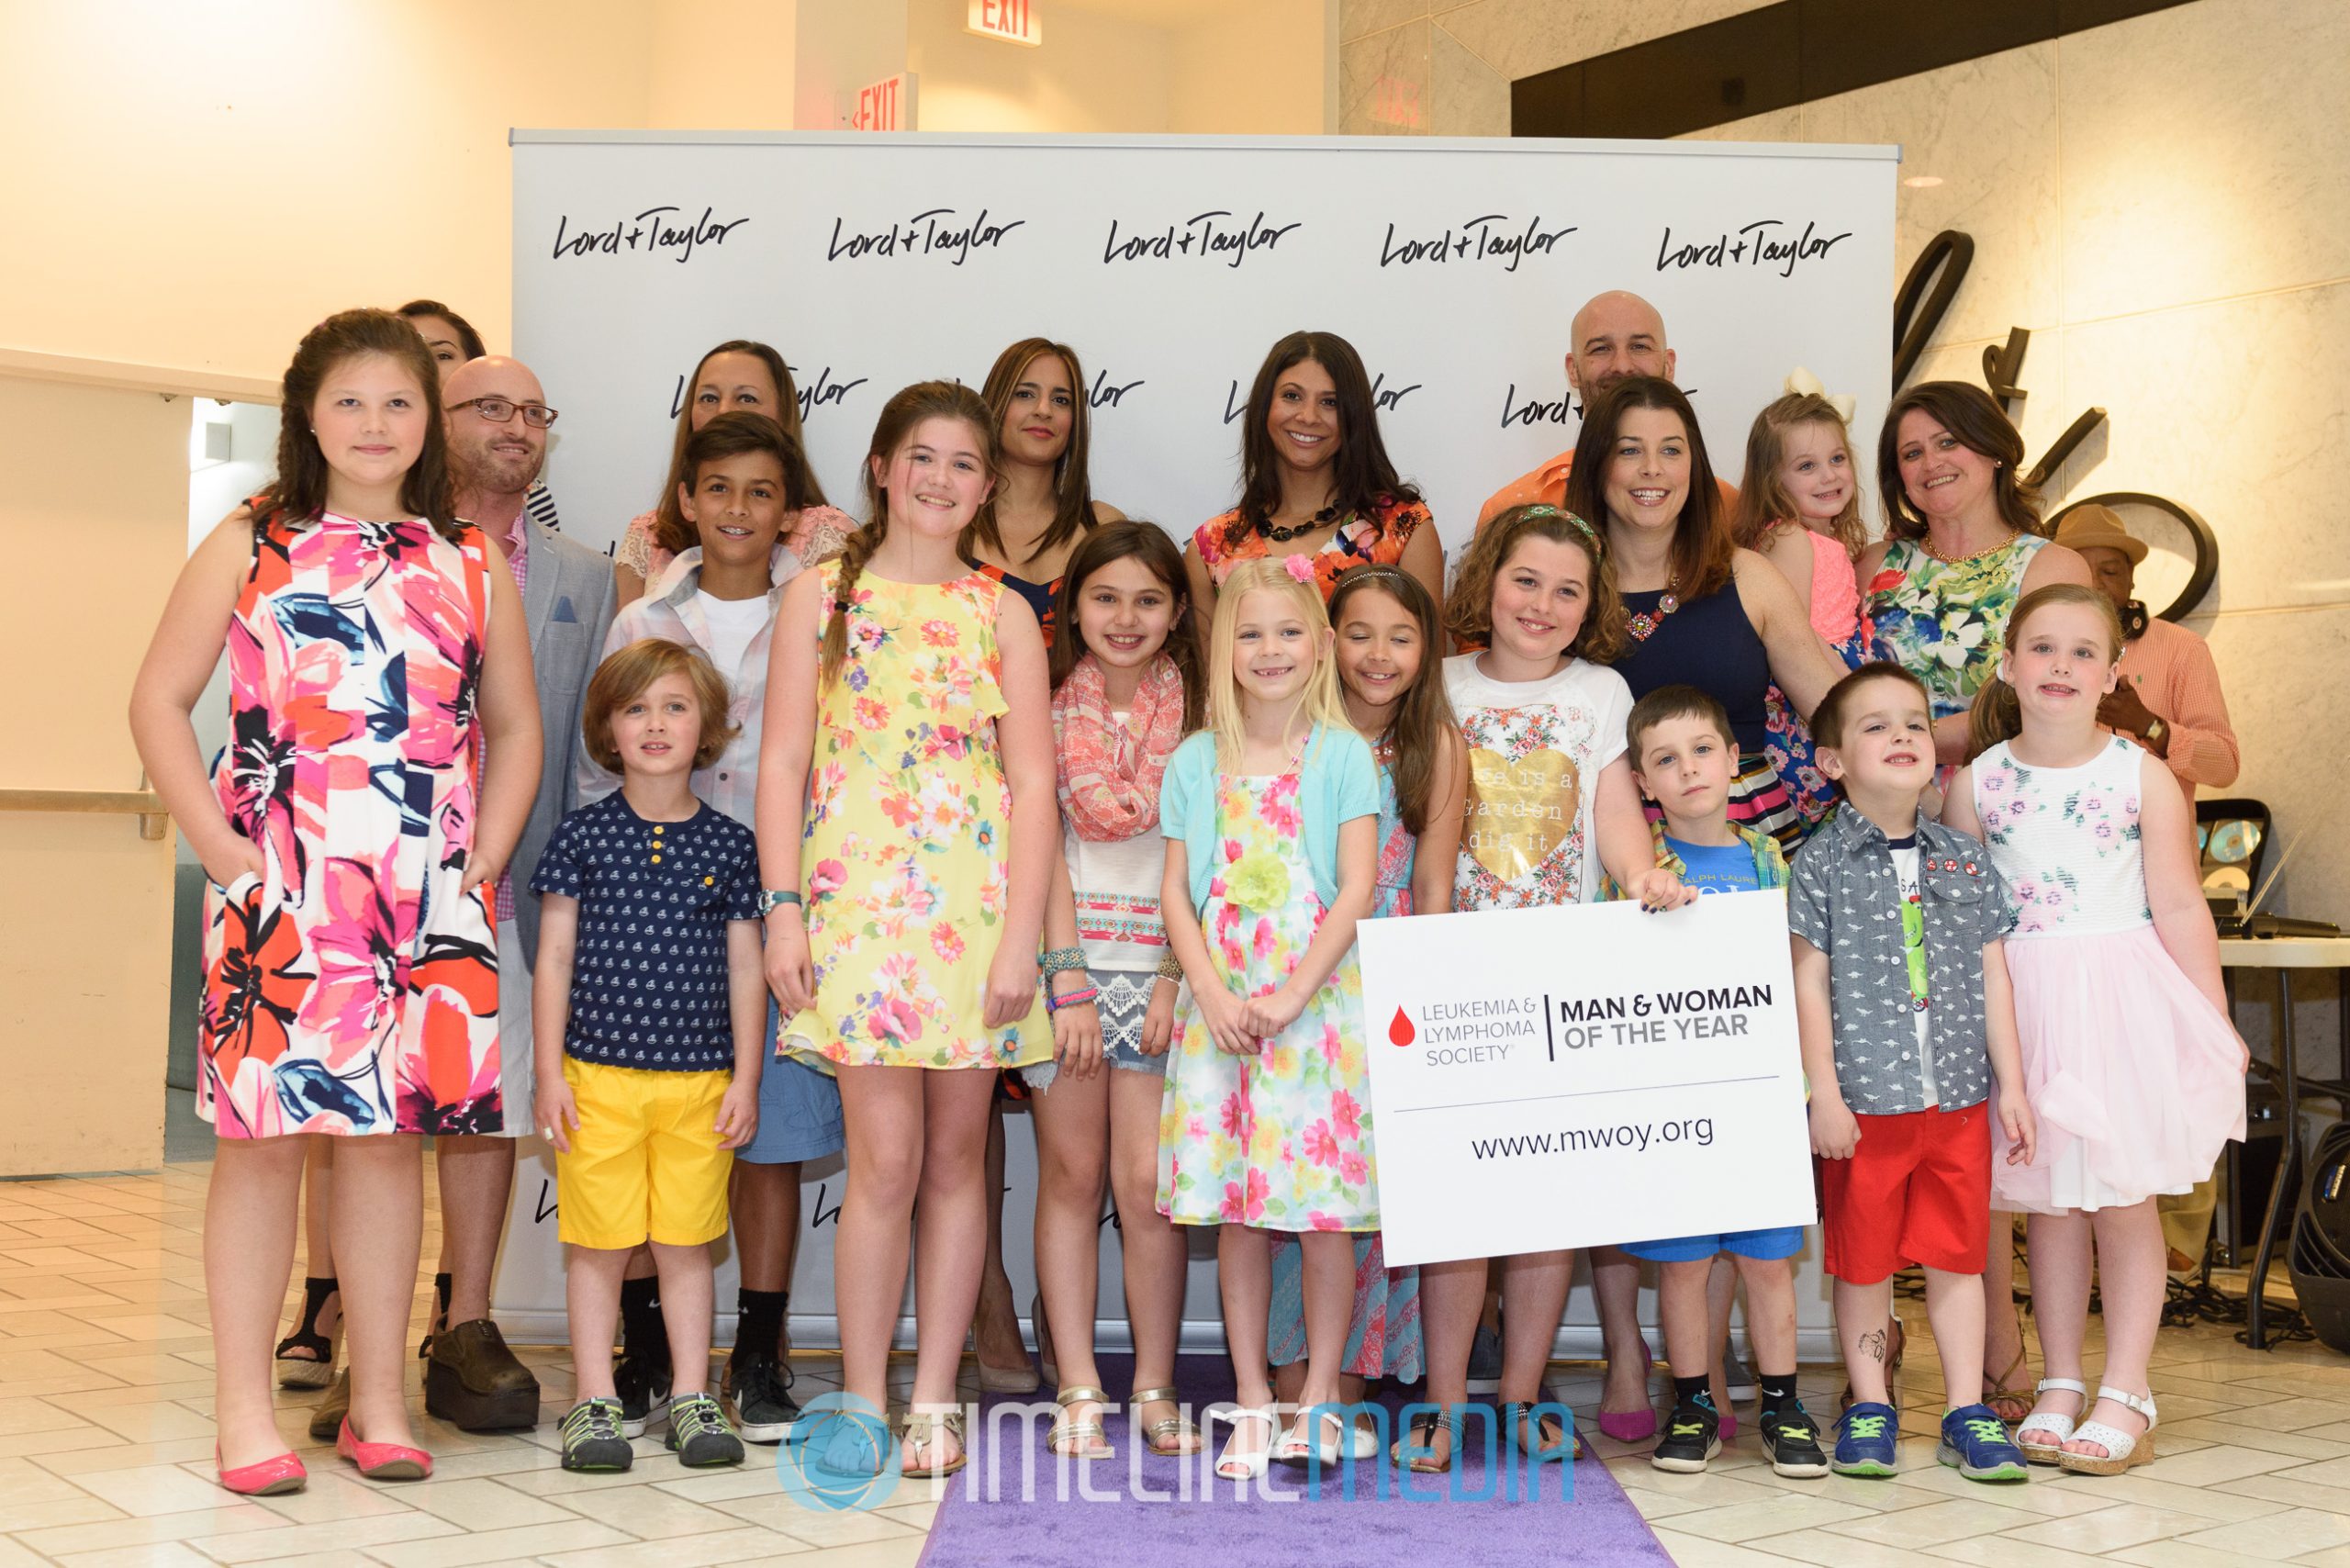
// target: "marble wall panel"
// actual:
[[1471, 97], [1987, 129], [2291, 710], [2236, 409], [2202, 151], [1386, 81]]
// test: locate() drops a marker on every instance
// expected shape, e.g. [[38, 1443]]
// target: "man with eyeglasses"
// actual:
[[498, 418]]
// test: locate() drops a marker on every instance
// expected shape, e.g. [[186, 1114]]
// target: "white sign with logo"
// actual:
[[1573, 1077]]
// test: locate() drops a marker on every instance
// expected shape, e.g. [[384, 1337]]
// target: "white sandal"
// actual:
[[2122, 1451], [2049, 1421], [1251, 1465]]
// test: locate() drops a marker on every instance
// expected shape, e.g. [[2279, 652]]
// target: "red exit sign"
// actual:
[[1013, 21], [888, 104]]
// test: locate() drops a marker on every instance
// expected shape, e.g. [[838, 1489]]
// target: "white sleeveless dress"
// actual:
[[2136, 1078]]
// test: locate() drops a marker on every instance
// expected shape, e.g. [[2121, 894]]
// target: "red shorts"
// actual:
[[1916, 1190]]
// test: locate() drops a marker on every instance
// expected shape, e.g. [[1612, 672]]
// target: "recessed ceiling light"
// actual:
[[1922, 181]]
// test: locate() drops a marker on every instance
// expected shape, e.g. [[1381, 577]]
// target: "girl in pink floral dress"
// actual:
[[1272, 818], [374, 652]]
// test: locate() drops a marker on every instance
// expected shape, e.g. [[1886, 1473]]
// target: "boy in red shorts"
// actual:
[[1902, 996]]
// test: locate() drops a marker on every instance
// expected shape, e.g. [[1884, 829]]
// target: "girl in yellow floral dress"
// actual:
[[908, 829], [1272, 818]]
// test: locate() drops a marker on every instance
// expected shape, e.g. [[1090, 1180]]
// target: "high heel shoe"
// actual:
[[382, 1461], [1633, 1426], [315, 1369], [1020, 1379], [269, 1478]]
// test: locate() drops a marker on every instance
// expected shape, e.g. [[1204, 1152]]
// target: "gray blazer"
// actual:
[[568, 607]]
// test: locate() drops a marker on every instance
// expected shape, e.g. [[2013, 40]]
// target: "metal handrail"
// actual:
[[144, 803]]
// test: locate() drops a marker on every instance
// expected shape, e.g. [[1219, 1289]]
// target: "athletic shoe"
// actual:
[[643, 1387], [1975, 1443], [1485, 1361], [1691, 1437], [698, 1434], [757, 1397], [1866, 1444], [592, 1436], [1793, 1445]]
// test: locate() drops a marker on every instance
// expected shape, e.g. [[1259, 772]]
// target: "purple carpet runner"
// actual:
[[1017, 1506]]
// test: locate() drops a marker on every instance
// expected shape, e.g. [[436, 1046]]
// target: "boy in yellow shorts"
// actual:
[[649, 1007]]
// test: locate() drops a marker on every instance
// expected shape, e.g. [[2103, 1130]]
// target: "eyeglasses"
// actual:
[[498, 411]]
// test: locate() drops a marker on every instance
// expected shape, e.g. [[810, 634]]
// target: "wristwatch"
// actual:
[[774, 899], [2154, 733]]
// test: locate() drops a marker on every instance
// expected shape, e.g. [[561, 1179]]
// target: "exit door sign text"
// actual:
[[1013, 21], [888, 104]]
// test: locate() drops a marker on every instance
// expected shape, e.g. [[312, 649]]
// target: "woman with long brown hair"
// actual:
[[1043, 504]]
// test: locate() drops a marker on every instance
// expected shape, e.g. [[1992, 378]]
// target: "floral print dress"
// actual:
[[351, 987], [1280, 1140], [902, 858], [1943, 621]]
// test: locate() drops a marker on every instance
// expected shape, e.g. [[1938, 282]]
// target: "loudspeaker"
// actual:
[[2319, 1257], [2249, 1167]]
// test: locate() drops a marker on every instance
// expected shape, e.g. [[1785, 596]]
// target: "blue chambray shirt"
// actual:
[[1845, 899]]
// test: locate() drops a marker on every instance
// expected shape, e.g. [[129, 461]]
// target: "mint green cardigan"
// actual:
[[1340, 782]]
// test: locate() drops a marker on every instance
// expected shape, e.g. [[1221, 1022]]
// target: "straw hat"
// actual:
[[2095, 527]]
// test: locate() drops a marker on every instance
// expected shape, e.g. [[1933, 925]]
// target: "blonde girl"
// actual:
[[1270, 816], [907, 839], [2131, 1066], [1799, 509]]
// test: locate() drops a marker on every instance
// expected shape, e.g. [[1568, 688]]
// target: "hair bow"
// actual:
[[1800, 380], [1299, 567]]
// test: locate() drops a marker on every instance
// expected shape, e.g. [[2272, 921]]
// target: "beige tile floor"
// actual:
[[106, 1444]]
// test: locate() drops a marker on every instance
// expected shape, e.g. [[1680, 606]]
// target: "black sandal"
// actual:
[[316, 1368]]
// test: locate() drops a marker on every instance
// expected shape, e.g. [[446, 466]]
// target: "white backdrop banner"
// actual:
[[1564, 1077], [1171, 265]]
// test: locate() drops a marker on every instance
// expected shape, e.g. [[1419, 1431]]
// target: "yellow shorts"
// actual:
[[645, 1163]]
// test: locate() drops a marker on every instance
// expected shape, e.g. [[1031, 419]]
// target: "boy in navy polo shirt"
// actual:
[[1682, 758], [649, 1007]]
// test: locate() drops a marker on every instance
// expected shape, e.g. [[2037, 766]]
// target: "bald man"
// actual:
[[1615, 335], [491, 406]]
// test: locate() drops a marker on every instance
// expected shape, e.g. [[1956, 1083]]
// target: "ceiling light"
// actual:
[[1922, 181]]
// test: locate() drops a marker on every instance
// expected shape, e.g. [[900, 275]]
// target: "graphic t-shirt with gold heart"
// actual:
[[1536, 750]]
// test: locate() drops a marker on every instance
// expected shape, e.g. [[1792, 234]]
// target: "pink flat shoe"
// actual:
[[269, 1478], [1633, 1426], [382, 1461], [1729, 1424]]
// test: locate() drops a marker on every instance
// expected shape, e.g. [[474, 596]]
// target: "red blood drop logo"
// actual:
[[1400, 1030]]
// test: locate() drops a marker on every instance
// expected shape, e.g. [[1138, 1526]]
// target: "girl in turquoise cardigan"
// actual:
[[1272, 820]]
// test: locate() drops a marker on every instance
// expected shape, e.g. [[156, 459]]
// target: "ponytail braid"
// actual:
[[851, 565]]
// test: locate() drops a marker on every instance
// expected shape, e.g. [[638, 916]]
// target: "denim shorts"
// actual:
[[799, 1108], [1124, 999]]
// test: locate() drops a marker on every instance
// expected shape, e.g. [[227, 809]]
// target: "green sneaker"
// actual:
[[698, 1434], [592, 1436]]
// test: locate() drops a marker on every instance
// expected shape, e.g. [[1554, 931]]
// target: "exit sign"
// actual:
[[888, 104], [1013, 21]]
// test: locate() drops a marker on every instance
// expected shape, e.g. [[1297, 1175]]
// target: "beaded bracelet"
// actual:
[[1076, 998], [1060, 961], [1171, 968]]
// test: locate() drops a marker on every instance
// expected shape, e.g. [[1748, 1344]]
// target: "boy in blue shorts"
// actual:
[[1683, 758]]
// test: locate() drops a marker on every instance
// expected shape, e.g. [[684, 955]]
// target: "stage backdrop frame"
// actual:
[[1171, 265]]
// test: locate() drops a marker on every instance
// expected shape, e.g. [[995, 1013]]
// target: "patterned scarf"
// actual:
[[1109, 780]]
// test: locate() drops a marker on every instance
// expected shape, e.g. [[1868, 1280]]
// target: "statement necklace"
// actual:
[[2009, 538], [1322, 519], [1642, 624]]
